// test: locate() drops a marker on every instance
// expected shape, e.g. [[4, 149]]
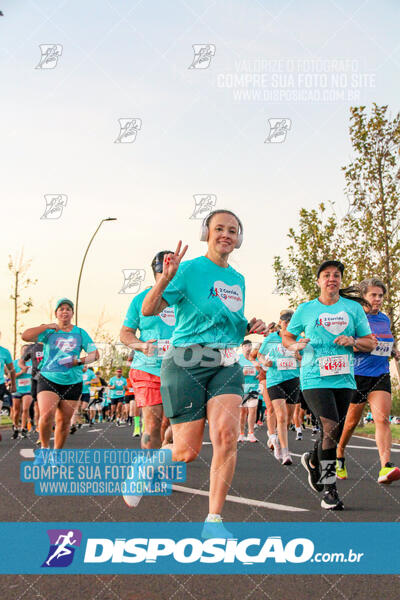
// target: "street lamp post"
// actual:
[[83, 262]]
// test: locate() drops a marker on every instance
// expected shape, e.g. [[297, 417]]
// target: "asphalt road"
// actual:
[[266, 490]]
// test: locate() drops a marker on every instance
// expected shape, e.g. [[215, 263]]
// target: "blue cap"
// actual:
[[64, 301]]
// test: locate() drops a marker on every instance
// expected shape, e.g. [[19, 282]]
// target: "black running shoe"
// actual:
[[72, 429], [313, 473], [331, 500], [24, 433], [15, 433]]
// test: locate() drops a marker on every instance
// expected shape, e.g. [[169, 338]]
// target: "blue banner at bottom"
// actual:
[[193, 548]]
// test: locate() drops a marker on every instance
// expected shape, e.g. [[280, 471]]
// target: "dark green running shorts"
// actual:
[[187, 385]]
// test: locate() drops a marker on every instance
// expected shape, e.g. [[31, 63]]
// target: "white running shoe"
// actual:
[[271, 443], [241, 438], [251, 438], [287, 459], [131, 501], [277, 450]]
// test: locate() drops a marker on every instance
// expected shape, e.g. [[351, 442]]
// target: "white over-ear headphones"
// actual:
[[204, 226]]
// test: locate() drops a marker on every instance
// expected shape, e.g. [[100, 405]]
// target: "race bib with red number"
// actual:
[[229, 356], [162, 347], [334, 365], [249, 371], [287, 363]]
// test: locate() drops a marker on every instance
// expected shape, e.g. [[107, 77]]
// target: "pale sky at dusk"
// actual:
[[200, 132]]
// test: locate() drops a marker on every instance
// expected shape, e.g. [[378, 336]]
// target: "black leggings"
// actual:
[[260, 411], [330, 406]]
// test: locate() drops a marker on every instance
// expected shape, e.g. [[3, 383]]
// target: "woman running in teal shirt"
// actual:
[[60, 381], [283, 383], [200, 374], [333, 324]]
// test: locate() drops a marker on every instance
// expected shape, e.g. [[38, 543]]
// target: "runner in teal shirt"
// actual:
[[59, 385], [200, 375], [22, 399], [284, 364], [322, 357], [333, 324], [283, 385], [158, 328], [119, 384], [60, 348], [250, 374], [5, 360], [249, 405], [23, 382], [87, 377], [211, 314], [150, 347]]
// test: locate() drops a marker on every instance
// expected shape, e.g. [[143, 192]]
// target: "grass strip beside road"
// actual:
[[369, 431]]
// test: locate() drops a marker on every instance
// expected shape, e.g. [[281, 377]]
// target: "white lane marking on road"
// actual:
[[371, 448], [361, 437], [240, 500], [93, 430]]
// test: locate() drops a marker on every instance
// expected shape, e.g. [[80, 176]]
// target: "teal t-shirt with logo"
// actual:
[[284, 364], [23, 383], [325, 364], [87, 377], [209, 304], [250, 375], [120, 385], [59, 347], [158, 327], [5, 359]]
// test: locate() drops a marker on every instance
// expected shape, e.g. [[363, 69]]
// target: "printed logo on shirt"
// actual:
[[66, 344], [168, 316], [231, 296], [284, 351], [335, 324]]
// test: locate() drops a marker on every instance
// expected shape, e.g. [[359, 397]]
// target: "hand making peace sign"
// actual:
[[172, 261]]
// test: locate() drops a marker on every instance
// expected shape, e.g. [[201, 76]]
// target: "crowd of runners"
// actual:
[[191, 364]]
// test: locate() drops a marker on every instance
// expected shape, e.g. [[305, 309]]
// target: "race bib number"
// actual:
[[23, 382], [334, 365], [383, 349], [229, 356], [286, 364], [119, 393], [162, 347], [249, 371]]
